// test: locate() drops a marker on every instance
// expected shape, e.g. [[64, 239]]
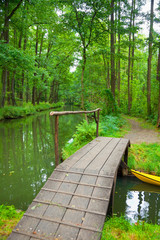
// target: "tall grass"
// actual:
[[122, 229], [9, 217], [145, 157]]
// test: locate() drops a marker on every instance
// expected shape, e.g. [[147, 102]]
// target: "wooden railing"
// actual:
[[57, 114]]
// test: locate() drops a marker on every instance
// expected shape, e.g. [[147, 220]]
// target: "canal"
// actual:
[[27, 160], [27, 154]]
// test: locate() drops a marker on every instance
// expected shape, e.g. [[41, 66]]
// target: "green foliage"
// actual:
[[85, 132], [121, 228], [110, 106], [10, 112], [9, 218], [145, 157], [111, 126], [9, 212], [12, 58]]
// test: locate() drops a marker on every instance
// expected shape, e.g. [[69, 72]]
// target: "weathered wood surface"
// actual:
[[73, 203], [73, 112]]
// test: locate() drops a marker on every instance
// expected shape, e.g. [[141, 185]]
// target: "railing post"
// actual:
[[56, 141], [97, 121]]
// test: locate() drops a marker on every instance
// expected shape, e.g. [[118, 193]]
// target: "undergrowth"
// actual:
[[9, 112], [122, 229], [145, 157], [9, 217]]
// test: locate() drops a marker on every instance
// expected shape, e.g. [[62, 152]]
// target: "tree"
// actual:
[[82, 18], [5, 36], [158, 78], [149, 61], [113, 79]]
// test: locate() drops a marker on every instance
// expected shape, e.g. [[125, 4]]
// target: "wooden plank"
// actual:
[[88, 158], [67, 183], [115, 158], [82, 173], [18, 236], [85, 235], [73, 206], [78, 154], [102, 156], [73, 194], [25, 225], [54, 220]]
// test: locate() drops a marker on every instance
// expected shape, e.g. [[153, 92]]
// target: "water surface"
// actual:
[[137, 200], [27, 155]]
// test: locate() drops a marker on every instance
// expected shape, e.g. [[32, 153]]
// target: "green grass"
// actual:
[[10, 112], [146, 124], [122, 229], [145, 157], [9, 217]]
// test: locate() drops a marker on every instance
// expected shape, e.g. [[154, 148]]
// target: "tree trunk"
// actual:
[[4, 83], [82, 77], [5, 36], [27, 91], [113, 82], [130, 60], [8, 90], [149, 61], [13, 89], [129, 68], [105, 70], [133, 44], [34, 80], [51, 97], [40, 51], [158, 78], [119, 60], [23, 76]]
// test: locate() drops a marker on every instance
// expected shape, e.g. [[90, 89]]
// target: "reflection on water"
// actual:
[[137, 200], [27, 155]]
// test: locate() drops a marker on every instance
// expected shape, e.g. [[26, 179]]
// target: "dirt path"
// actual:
[[139, 134]]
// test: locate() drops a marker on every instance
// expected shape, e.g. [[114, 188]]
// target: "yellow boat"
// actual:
[[148, 178]]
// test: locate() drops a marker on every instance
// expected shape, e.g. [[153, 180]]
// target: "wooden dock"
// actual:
[[74, 202]]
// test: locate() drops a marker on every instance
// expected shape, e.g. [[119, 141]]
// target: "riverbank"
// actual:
[[10, 112], [120, 228], [9, 217]]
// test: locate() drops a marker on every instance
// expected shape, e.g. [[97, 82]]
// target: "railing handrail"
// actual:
[[57, 114], [73, 112]]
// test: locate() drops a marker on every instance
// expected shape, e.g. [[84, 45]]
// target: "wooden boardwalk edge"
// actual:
[[73, 203]]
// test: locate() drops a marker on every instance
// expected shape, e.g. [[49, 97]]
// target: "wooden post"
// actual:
[[97, 123], [126, 156], [56, 141], [111, 202]]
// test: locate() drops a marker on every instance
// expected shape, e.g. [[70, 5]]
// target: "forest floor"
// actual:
[[142, 132]]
